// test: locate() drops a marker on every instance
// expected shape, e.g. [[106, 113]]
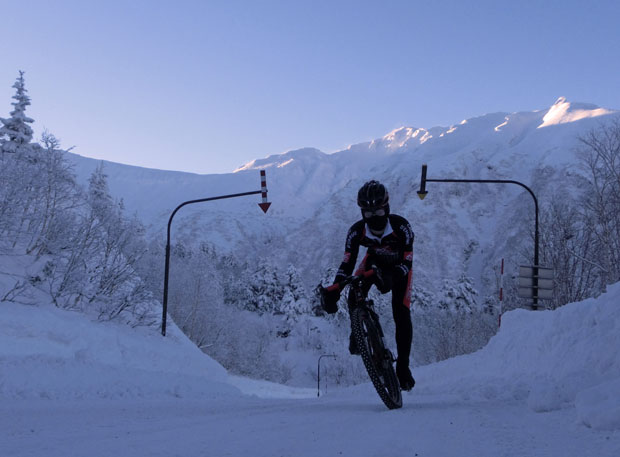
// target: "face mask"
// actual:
[[377, 223], [376, 218]]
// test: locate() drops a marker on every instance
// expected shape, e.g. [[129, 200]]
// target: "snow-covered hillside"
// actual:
[[313, 193], [547, 384]]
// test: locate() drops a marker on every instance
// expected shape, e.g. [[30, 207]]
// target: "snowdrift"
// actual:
[[551, 359], [50, 353]]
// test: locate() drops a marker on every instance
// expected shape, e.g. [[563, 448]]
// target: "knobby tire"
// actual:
[[377, 358]]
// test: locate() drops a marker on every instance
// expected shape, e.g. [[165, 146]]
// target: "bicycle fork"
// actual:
[[387, 355]]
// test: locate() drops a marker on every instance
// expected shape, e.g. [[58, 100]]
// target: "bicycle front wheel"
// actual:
[[377, 358]]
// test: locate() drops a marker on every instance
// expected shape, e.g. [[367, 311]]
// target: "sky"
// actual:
[[206, 86]]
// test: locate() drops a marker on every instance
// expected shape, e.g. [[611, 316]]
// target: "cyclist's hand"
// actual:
[[401, 271], [329, 299]]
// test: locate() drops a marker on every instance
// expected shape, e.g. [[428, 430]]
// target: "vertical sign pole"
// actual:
[[263, 187], [318, 378], [164, 308], [501, 294], [536, 255]]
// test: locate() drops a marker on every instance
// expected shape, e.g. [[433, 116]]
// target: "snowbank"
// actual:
[[46, 352], [551, 359], [567, 358]]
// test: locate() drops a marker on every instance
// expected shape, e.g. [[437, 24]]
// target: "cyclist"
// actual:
[[389, 242]]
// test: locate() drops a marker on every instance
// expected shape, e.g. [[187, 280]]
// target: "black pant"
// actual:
[[402, 317]]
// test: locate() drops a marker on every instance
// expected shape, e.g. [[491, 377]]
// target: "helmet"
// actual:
[[373, 194]]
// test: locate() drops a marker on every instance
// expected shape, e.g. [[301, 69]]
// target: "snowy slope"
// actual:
[[313, 193], [546, 385], [553, 359], [49, 353]]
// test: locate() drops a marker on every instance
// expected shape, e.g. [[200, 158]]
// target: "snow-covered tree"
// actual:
[[568, 244], [451, 322], [19, 181], [458, 296], [264, 289], [99, 194], [422, 300], [15, 133], [234, 274], [196, 295], [600, 156], [57, 197], [95, 268], [295, 301]]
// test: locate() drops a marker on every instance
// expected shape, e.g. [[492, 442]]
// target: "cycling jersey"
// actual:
[[393, 250]]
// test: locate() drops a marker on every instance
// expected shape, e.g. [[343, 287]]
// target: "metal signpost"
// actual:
[[422, 193], [318, 373], [264, 206], [501, 295]]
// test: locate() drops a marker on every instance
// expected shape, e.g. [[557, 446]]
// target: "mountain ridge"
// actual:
[[409, 138]]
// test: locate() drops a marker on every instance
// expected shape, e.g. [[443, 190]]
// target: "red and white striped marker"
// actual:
[[501, 294], [263, 187]]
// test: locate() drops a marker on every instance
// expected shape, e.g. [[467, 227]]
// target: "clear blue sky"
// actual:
[[205, 86]]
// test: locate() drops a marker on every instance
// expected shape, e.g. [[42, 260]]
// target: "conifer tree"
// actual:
[[265, 290], [99, 193], [15, 133], [458, 296], [295, 301]]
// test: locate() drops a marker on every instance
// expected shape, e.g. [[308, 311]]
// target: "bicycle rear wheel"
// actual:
[[377, 358]]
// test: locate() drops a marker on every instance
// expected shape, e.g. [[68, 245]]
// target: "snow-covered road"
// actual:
[[548, 384], [342, 423]]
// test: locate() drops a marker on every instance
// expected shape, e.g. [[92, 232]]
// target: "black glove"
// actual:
[[400, 272], [329, 299]]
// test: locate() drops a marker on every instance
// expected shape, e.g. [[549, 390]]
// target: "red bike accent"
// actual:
[[333, 287]]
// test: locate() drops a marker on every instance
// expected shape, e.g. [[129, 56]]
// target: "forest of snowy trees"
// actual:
[[581, 234], [84, 249], [254, 316]]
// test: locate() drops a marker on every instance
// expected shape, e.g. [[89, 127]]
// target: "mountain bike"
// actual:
[[368, 335]]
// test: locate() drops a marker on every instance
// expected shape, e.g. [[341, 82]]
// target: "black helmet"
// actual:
[[373, 194]]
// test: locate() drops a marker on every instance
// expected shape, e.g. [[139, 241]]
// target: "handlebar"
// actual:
[[349, 279], [337, 287]]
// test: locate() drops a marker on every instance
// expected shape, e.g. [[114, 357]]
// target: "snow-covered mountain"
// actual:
[[459, 228]]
